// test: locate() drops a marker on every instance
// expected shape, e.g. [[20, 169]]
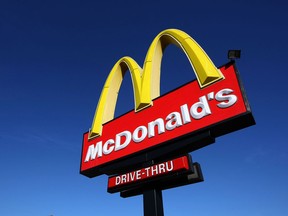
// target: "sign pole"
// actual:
[[153, 203]]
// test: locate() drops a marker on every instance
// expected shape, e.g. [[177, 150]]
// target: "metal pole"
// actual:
[[153, 203]]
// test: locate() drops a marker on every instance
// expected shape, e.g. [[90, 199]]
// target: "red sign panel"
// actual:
[[154, 171], [184, 111]]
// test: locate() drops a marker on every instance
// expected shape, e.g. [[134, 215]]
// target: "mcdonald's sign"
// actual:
[[185, 119]]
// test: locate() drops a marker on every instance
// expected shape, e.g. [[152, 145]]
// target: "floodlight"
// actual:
[[234, 54]]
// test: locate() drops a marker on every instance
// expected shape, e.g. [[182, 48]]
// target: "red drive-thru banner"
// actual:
[[149, 172], [181, 113]]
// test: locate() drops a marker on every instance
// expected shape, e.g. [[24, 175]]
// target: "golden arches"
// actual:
[[146, 82]]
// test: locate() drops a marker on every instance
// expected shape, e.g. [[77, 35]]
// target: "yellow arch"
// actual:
[[146, 82]]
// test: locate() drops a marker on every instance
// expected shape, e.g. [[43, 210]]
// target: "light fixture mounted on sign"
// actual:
[[234, 54]]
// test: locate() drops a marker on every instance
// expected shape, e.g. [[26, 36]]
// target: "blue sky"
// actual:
[[54, 59]]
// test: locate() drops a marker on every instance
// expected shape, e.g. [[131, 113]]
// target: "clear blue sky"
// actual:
[[54, 59]]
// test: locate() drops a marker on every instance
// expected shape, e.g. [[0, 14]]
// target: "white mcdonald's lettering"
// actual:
[[175, 119]]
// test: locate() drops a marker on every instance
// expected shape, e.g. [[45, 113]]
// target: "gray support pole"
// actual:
[[153, 203]]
